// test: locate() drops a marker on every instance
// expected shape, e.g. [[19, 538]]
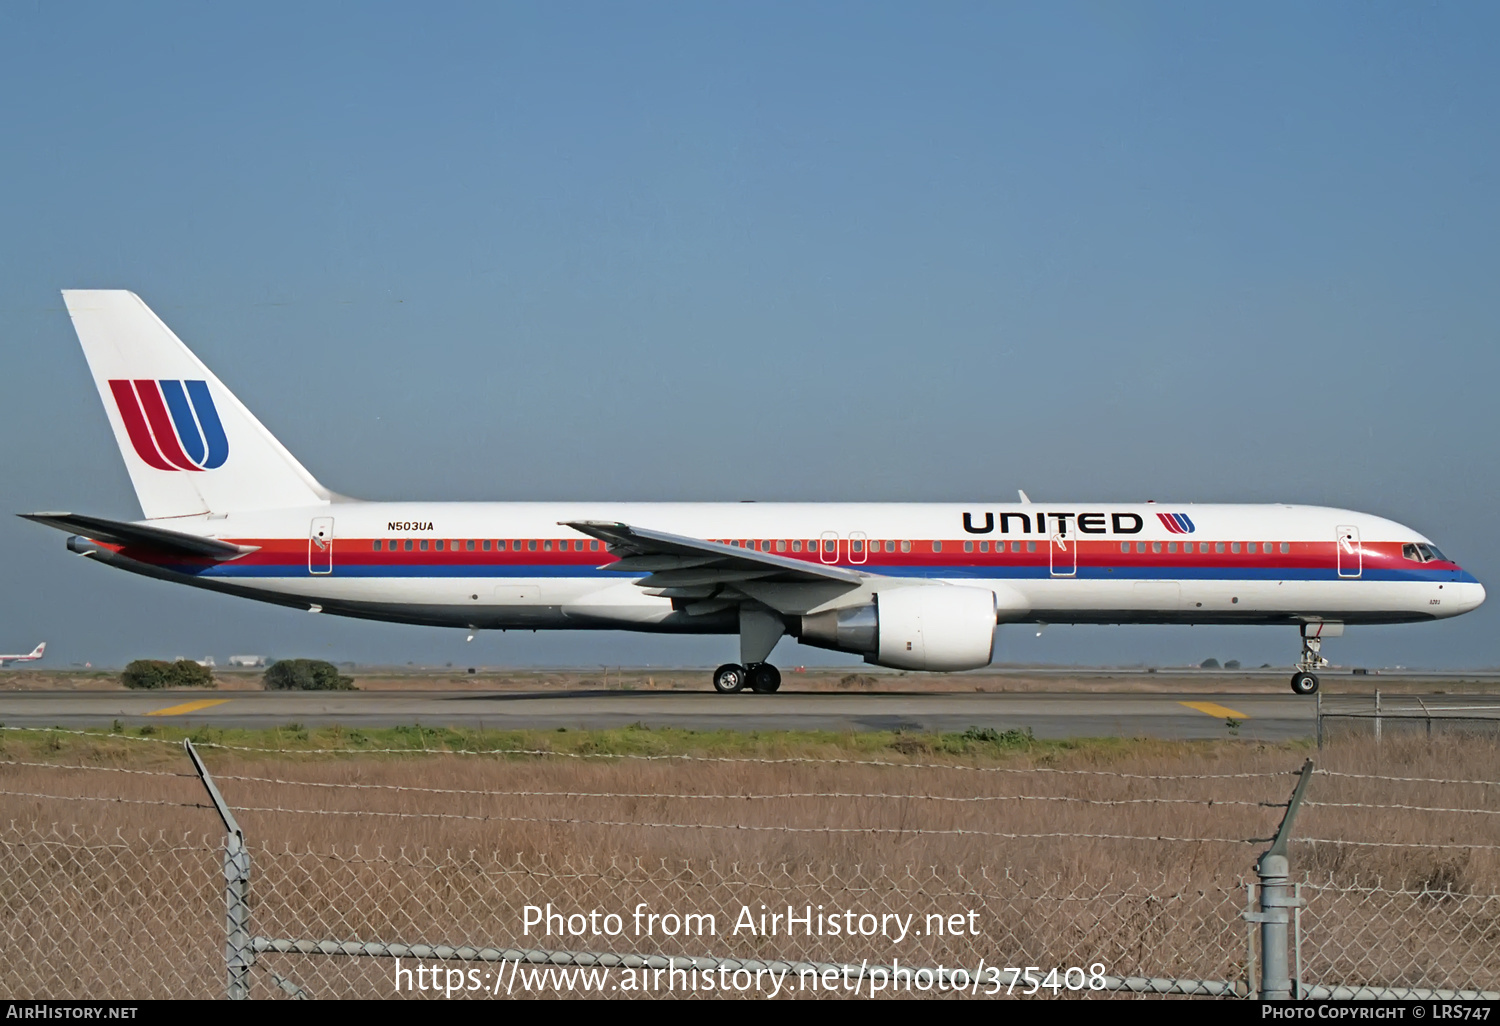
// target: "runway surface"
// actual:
[[1262, 715], [1051, 715]]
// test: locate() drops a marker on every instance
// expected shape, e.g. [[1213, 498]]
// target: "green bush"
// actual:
[[158, 673], [305, 675]]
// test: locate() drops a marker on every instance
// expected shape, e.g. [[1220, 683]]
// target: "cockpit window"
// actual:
[[1424, 553]]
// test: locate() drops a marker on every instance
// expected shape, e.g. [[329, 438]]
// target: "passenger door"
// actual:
[[1351, 558], [320, 546], [1063, 554]]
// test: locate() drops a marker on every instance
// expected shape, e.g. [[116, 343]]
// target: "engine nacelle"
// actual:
[[922, 627]]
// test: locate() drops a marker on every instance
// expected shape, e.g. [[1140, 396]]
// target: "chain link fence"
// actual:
[[146, 915]]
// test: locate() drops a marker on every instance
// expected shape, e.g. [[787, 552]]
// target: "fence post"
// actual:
[[1277, 901], [1320, 719], [238, 956], [1377, 716]]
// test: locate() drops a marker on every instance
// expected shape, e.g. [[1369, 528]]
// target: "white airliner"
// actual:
[[914, 586], [29, 657]]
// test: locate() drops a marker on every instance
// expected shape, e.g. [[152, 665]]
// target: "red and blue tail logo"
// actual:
[[1177, 523], [172, 424]]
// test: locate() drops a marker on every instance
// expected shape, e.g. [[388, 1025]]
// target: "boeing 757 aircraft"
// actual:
[[29, 657], [917, 586]]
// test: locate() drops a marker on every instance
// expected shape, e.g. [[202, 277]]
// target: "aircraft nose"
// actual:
[[1470, 596]]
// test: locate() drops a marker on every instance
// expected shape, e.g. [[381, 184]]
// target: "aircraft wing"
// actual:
[[676, 561], [159, 539], [702, 577]]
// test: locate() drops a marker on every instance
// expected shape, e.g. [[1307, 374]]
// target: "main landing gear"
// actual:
[[762, 678]]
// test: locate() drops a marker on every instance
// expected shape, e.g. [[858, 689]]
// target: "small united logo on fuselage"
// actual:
[[1177, 523], [173, 425]]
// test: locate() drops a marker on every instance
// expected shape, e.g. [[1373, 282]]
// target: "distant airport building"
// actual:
[[205, 661], [248, 661]]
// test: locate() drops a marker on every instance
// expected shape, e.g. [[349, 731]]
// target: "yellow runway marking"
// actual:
[[187, 707], [1220, 711]]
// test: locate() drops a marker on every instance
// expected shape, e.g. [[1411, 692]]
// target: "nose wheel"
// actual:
[[1304, 683]]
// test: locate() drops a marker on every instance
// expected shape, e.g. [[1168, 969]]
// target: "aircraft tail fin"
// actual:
[[190, 446], [36, 653]]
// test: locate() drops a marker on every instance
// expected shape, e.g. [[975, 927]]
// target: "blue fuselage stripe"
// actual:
[[996, 572]]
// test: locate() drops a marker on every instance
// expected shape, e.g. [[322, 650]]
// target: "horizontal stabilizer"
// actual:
[[117, 532]]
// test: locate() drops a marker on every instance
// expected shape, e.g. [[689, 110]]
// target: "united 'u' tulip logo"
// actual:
[[172, 424]]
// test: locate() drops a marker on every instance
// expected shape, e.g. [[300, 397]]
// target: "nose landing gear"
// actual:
[[1305, 681]]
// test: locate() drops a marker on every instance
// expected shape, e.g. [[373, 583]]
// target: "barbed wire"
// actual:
[[765, 761], [104, 769], [748, 797], [776, 828], [1396, 844], [103, 798], [1406, 780], [1403, 808]]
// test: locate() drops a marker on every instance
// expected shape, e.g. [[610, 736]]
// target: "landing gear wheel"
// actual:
[[729, 678], [764, 678], [1305, 683]]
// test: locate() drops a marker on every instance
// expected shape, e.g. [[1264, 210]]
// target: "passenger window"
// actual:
[[547, 545], [796, 544], [1285, 548], [1030, 546], [377, 545], [830, 545], [530, 544], [469, 545], [423, 545], [486, 545], [407, 546], [1156, 546], [968, 546], [1172, 547], [984, 546], [1250, 548], [890, 546], [1218, 546], [1124, 546], [440, 545], [906, 546], [1234, 547], [937, 546], [1140, 546], [594, 545], [856, 545], [780, 544]]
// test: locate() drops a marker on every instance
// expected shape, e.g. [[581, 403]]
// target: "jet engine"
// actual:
[[921, 627]]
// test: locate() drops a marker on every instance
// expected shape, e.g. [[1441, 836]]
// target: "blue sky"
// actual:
[[805, 251]]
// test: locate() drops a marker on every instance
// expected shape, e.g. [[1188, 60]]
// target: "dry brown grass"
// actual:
[[883, 815]]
